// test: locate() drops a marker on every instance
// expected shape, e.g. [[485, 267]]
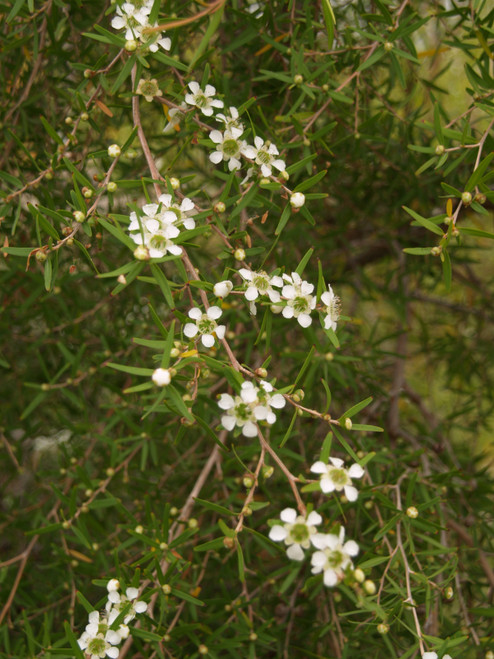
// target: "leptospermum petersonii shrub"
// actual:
[[247, 329]]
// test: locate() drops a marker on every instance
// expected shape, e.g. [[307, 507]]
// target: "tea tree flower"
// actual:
[[296, 532], [223, 288], [228, 147], [300, 301], [334, 477], [161, 377], [230, 120], [98, 640], [334, 558], [252, 405], [134, 19], [261, 284], [331, 309], [263, 155], [175, 116], [297, 200], [433, 655], [203, 99], [149, 89], [173, 213], [205, 325], [117, 602]]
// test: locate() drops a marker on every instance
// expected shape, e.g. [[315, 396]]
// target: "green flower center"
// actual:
[[242, 412], [263, 157], [206, 325], [149, 88], [158, 242], [339, 477], [230, 148], [299, 533], [201, 101], [301, 305], [97, 646], [335, 558], [261, 282]]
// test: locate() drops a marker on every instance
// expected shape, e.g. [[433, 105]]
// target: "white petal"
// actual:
[[245, 274], [327, 485], [260, 412], [140, 607], [277, 401], [214, 312], [351, 492], [319, 540], [278, 533], [187, 204], [118, 22], [190, 330], [195, 313], [249, 429], [165, 199], [318, 468], [175, 250], [258, 141], [271, 418], [330, 578], [266, 171], [132, 593], [226, 402], [318, 560], [276, 281], [194, 87], [279, 164], [289, 292], [288, 515], [287, 312], [295, 552], [314, 518], [220, 332], [228, 422], [150, 209], [304, 320], [113, 637], [207, 340], [351, 548], [337, 462], [112, 653], [216, 157], [216, 136], [209, 90], [274, 296], [249, 152], [356, 471], [251, 293]]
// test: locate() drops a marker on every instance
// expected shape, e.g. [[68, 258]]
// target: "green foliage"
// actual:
[[383, 114]]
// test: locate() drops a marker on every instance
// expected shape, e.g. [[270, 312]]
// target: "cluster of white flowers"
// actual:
[[259, 284], [134, 18], [161, 224], [433, 655], [252, 405], [205, 325], [99, 640], [334, 477]]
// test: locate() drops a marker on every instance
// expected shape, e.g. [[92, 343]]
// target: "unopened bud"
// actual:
[[359, 575], [466, 198], [223, 288], [439, 150], [79, 216], [252, 636], [297, 200], [220, 207], [203, 649], [175, 183], [412, 512], [435, 251], [261, 372], [166, 588], [161, 377], [448, 593], [131, 45], [139, 529], [112, 186], [383, 628], [41, 256], [348, 424], [141, 253], [239, 254], [267, 471], [114, 150], [193, 523], [228, 542], [370, 587], [248, 481], [388, 46], [298, 79]]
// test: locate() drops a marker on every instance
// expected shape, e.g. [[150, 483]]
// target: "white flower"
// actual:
[[113, 584], [252, 405], [205, 324], [296, 533], [172, 213], [114, 151], [175, 116], [117, 602], [433, 655], [334, 557], [229, 147], [161, 377], [263, 155], [134, 19], [98, 640], [231, 121], [223, 288], [203, 99], [300, 302], [156, 230], [297, 200], [335, 477], [261, 284], [332, 308]]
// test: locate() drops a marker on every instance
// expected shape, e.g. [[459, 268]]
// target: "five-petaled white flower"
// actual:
[[134, 19], [98, 640], [252, 405], [203, 99], [228, 147], [117, 602], [331, 309], [300, 301], [231, 120], [335, 477], [297, 532], [173, 213], [205, 325], [334, 557], [260, 284], [264, 155]]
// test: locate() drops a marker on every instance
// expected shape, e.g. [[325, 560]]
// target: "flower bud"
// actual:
[[175, 183], [435, 251], [248, 481], [370, 587], [193, 523], [261, 372], [489, 654], [298, 79], [247, 511], [84, 116], [87, 192], [173, 511], [131, 45], [114, 151], [448, 593], [348, 424], [203, 649], [228, 542], [388, 46], [285, 175], [166, 588], [412, 512], [466, 198], [161, 377], [239, 254], [69, 121], [297, 200], [112, 186], [480, 198], [41, 256], [267, 471], [383, 628], [141, 253], [139, 529], [79, 216], [223, 288], [219, 207], [252, 636], [439, 150], [359, 575]]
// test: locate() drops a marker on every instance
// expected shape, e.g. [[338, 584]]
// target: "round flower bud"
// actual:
[[66, 524], [261, 372], [264, 181], [412, 512], [348, 424], [79, 216], [297, 200], [325, 88], [388, 46], [141, 253], [239, 254], [161, 377], [359, 575], [131, 45], [285, 175], [229, 543], [247, 511], [448, 593], [383, 628], [139, 529], [122, 279], [489, 654], [480, 198], [166, 588], [220, 207], [49, 176], [167, 638], [175, 183], [248, 481], [112, 186], [298, 79], [267, 471], [370, 587], [173, 511], [252, 636], [193, 523], [69, 121], [84, 116], [114, 151], [435, 251], [439, 150], [88, 73], [223, 288], [203, 649], [41, 256], [110, 472], [87, 192], [466, 198]]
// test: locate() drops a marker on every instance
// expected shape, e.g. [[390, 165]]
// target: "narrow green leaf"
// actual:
[[310, 182], [214, 507], [73, 641], [241, 562], [476, 176], [417, 251], [289, 430], [352, 411], [427, 224], [283, 219], [185, 596], [132, 370], [447, 269], [329, 20], [214, 23], [162, 282], [124, 73]]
